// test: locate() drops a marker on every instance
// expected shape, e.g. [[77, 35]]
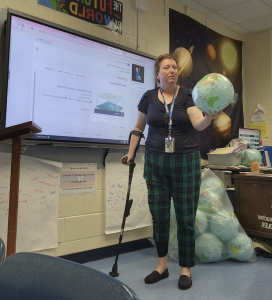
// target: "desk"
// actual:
[[253, 204], [237, 169]]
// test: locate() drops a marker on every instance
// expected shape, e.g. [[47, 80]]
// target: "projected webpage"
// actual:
[[73, 88]]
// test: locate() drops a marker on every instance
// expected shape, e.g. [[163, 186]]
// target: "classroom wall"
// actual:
[[81, 223], [257, 79]]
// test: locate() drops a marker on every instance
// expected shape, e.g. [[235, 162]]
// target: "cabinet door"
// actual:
[[254, 206]]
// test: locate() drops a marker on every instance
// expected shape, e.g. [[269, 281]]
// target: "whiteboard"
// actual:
[[38, 202], [116, 194]]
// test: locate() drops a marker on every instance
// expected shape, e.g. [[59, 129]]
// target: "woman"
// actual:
[[172, 164]]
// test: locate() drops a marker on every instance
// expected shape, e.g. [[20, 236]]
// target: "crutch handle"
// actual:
[[124, 160]]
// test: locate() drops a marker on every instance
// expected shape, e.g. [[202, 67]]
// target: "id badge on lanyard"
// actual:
[[170, 145], [169, 141]]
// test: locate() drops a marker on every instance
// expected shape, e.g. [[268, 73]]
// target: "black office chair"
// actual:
[[33, 276], [2, 251]]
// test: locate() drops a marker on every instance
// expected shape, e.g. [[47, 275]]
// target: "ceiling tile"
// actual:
[[238, 28], [215, 5], [246, 11], [194, 5], [268, 2], [258, 24], [242, 16], [219, 18]]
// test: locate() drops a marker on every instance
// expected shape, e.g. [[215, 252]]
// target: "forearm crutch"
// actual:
[[128, 205]]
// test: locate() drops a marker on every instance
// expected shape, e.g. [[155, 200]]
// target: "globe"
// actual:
[[225, 254], [213, 92], [240, 247], [215, 186], [208, 248], [201, 222], [248, 156], [209, 202], [207, 183], [173, 245], [173, 219], [224, 225]]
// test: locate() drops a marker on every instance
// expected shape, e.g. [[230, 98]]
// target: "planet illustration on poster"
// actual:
[[210, 51], [213, 92], [185, 62], [222, 129]]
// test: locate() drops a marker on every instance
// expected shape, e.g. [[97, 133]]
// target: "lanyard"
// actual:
[[171, 111]]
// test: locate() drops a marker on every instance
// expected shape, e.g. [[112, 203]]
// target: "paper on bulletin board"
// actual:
[[38, 202], [262, 126], [78, 179], [116, 194]]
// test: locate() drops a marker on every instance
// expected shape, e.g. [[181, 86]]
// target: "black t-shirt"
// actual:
[[182, 128]]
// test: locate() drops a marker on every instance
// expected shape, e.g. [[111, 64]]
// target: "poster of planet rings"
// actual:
[[201, 51]]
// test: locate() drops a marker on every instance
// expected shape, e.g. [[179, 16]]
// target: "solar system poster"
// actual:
[[201, 51], [101, 12]]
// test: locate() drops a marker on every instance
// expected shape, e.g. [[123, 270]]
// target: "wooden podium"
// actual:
[[15, 134]]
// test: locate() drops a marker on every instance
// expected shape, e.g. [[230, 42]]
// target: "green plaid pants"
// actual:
[[177, 176]]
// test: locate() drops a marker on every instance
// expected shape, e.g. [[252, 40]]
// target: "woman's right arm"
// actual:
[[134, 140]]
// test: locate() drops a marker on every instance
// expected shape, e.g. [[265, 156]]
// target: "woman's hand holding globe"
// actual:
[[211, 116], [212, 94]]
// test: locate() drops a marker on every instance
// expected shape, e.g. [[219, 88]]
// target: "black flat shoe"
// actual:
[[185, 282], [155, 276]]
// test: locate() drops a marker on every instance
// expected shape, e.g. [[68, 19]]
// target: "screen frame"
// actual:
[[250, 130], [67, 143]]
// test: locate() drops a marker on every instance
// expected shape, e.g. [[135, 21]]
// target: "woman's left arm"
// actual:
[[198, 121]]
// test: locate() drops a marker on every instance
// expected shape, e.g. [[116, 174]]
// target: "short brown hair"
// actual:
[[160, 59]]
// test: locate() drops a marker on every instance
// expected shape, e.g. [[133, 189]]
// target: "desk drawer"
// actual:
[[253, 205]]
